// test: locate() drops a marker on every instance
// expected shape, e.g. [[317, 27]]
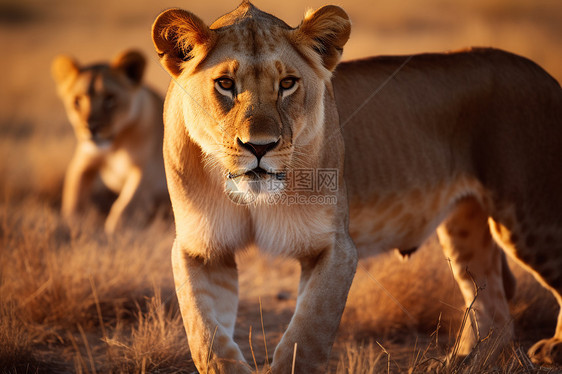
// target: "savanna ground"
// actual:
[[72, 300]]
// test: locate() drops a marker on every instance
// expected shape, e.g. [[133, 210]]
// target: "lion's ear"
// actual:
[[64, 67], [132, 64], [325, 31], [180, 36]]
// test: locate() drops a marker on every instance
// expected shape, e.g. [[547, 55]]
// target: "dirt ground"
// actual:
[[80, 303]]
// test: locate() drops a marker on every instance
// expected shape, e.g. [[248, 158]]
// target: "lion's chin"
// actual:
[[253, 186]]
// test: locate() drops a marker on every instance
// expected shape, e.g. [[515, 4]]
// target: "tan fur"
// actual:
[[455, 138], [480, 124], [118, 125]]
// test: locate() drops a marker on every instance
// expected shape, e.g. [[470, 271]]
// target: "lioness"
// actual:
[[118, 123], [256, 153]]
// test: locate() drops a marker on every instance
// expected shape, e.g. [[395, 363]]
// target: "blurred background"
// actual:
[[32, 32]]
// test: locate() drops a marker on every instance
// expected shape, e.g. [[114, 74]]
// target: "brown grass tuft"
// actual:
[[374, 358], [16, 349], [156, 341], [48, 269]]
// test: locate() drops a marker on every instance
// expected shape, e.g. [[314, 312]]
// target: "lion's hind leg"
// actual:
[[538, 249], [483, 276]]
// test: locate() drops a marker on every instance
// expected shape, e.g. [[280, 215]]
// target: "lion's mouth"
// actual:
[[99, 141], [257, 173], [245, 186], [96, 137]]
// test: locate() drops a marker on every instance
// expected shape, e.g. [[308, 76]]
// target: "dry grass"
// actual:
[[72, 295], [375, 358], [61, 287], [394, 286], [73, 301], [16, 351], [155, 341]]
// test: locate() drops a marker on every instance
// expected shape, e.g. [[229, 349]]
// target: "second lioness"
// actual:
[[118, 124]]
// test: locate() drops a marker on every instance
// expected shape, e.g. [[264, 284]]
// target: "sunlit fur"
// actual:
[[118, 125], [472, 139], [444, 140]]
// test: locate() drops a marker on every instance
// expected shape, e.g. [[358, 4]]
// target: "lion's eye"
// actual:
[[287, 83], [109, 101], [77, 102], [226, 84]]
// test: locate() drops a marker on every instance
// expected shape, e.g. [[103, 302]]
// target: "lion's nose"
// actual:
[[94, 126], [258, 150]]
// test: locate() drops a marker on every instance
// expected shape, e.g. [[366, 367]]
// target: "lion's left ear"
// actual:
[[132, 64], [325, 31]]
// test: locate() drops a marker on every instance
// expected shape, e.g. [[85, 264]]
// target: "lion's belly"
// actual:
[[115, 170], [374, 231], [405, 219]]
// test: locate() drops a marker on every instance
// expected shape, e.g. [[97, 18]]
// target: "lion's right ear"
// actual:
[[325, 32], [132, 64], [63, 68], [180, 36]]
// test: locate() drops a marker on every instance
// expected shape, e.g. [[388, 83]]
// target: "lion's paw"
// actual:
[[546, 352]]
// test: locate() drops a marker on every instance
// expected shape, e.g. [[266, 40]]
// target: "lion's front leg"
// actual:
[[325, 282], [208, 297], [78, 182], [125, 201]]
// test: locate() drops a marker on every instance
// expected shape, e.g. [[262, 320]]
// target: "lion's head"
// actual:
[[99, 98], [253, 87]]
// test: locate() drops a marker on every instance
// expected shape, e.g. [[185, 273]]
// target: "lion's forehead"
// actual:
[[261, 73], [93, 82], [84, 83], [253, 38]]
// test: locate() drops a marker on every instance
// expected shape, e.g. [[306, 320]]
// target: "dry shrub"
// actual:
[[156, 342], [50, 272], [59, 287], [359, 359], [16, 349], [375, 358]]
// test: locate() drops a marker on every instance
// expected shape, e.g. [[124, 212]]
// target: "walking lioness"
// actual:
[[118, 123], [254, 154]]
